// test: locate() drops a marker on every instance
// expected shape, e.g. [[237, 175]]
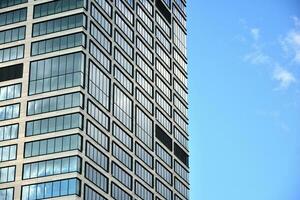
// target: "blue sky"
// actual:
[[244, 79]]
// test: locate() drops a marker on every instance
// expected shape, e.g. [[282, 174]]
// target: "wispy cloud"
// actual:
[[284, 77], [255, 32], [290, 44]]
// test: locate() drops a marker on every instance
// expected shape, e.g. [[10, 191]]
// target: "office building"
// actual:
[[93, 100]]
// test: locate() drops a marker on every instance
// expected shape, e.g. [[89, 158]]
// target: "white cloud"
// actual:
[[257, 57], [290, 43], [255, 33], [284, 77]]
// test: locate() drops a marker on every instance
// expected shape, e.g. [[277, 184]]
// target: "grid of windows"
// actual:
[[57, 6], [7, 193], [54, 124], [57, 44], [9, 132], [12, 35], [127, 72], [52, 145], [11, 53], [14, 16], [55, 103], [56, 73], [59, 24], [52, 167], [10, 92], [51, 189], [9, 112]]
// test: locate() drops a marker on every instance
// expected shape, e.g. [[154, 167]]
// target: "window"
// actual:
[[99, 85], [144, 128], [14, 16], [164, 121], [117, 193], [123, 62], [180, 122], [122, 108], [142, 191], [59, 24], [164, 40], [163, 172], [100, 38], [181, 5], [181, 138], [163, 190], [96, 156], [54, 124], [121, 175], [179, 37], [180, 75], [7, 194], [147, 5], [97, 135], [181, 188], [51, 189], [9, 112], [8, 153], [96, 177], [163, 25], [7, 174], [144, 66], [180, 90], [90, 193], [122, 136], [8, 3], [11, 53], [52, 167], [120, 40], [144, 17], [124, 10], [144, 33], [9, 132], [146, 157], [56, 73], [124, 27], [57, 6], [105, 6], [52, 145], [98, 115], [144, 50], [12, 35], [123, 80], [10, 92], [100, 19], [147, 87], [104, 61], [144, 174], [163, 55], [142, 99], [58, 43], [163, 103], [178, 58], [161, 85], [178, 15], [181, 171], [163, 155], [122, 156], [55, 103]]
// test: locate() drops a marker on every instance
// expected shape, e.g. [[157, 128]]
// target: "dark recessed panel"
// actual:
[[11, 72], [163, 137], [181, 155], [163, 10]]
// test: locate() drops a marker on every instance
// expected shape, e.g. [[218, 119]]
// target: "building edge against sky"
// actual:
[[93, 100]]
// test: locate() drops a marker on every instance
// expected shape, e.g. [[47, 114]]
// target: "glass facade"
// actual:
[[94, 100]]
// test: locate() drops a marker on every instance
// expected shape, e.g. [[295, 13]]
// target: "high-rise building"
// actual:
[[93, 100]]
